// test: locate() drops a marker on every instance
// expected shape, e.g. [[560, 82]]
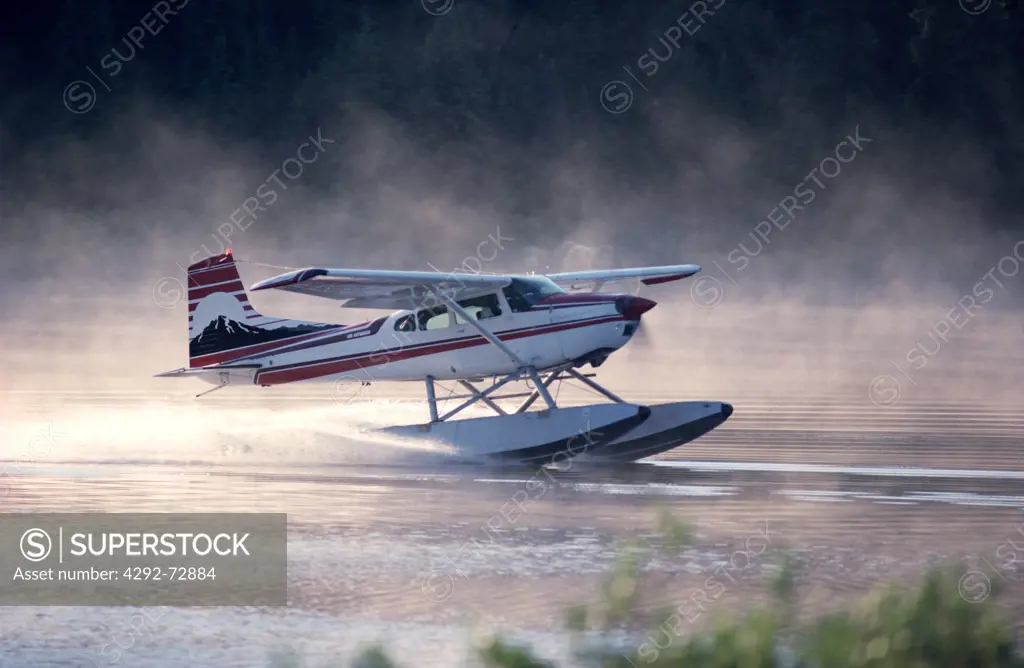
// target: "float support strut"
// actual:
[[431, 398]]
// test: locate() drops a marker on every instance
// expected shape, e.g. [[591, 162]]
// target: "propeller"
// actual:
[[633, 307]]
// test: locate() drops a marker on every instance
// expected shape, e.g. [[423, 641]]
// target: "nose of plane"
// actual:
[[726, 410], [634, 307]]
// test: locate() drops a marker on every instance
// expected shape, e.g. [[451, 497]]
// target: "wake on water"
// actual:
[[205, 433]]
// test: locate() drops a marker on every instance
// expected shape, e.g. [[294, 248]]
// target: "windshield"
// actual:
[[524, 292]]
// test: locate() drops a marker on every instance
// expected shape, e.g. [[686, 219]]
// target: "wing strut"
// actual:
[[453, 305], [487, 334]]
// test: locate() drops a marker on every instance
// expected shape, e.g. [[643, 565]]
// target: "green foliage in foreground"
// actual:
[[930, 626]]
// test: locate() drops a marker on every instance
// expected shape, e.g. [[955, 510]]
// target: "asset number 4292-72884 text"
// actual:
[[169, 573]]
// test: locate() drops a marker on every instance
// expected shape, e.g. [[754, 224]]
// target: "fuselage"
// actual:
[[547, 331]]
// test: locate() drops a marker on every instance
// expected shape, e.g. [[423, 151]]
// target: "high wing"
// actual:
[[383, 289], [593, 280]]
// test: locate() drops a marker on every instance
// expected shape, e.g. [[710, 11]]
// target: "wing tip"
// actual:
[[668, 278]]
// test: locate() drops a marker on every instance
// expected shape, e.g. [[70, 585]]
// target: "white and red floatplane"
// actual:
[[483, 331]]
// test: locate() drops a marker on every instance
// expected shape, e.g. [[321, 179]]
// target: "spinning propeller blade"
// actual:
[[633, 307], [641, 339]]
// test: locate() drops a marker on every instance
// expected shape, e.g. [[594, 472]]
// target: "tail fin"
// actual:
[[224, 327]]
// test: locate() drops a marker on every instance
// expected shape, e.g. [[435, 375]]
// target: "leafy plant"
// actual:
[[939, 623]]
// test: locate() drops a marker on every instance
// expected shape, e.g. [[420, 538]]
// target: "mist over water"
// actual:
[[883, 267]]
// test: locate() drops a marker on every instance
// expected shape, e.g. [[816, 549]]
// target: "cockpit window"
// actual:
[[526, 291], [433, 318], [406, 324], [480, 308]]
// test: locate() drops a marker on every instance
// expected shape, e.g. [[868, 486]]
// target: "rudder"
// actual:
[[222, 324]]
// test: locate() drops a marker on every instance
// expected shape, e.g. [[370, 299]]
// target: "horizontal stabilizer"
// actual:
[[199, 371]]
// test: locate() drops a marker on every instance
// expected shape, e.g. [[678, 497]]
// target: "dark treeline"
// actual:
[[491, 74]]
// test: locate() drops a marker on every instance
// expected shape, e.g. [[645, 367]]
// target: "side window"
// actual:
[[481, 308], [524, 292], [516, 302], [406, 324], [433, 318]]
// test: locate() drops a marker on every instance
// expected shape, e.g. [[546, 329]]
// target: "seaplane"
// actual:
[[484, 332]]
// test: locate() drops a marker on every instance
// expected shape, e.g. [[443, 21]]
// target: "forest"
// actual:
[[476, 81]]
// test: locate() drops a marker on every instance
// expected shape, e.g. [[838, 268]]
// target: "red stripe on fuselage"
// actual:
[[342, 335], [516, 333], [319, 368]]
